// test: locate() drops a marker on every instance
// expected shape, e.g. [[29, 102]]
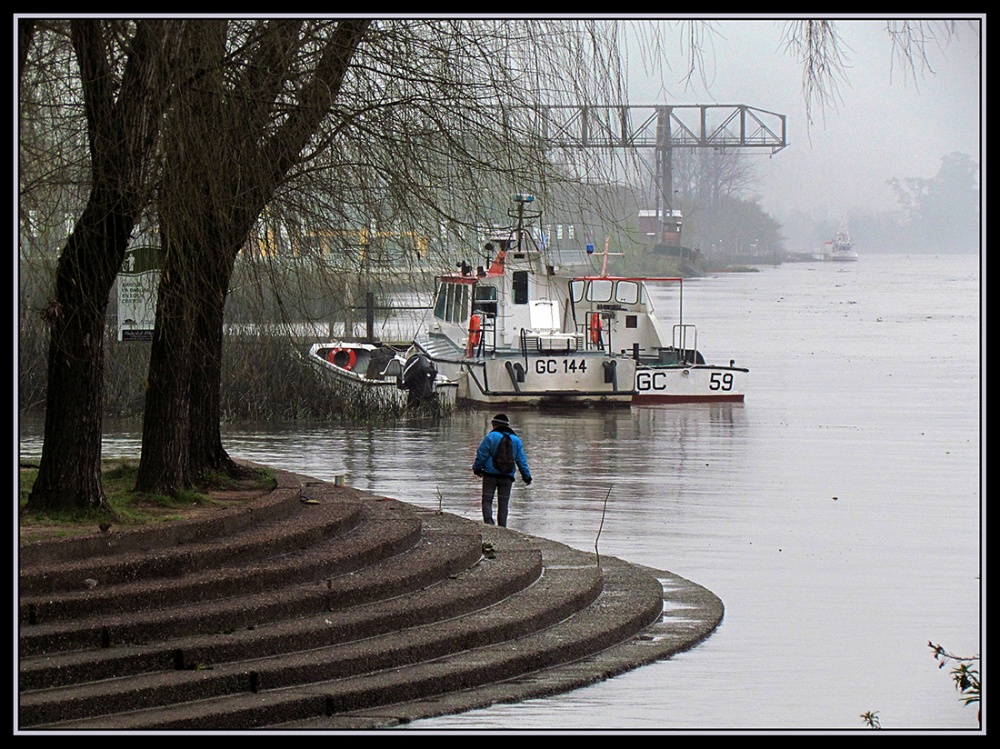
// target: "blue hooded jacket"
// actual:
[[488, 447]]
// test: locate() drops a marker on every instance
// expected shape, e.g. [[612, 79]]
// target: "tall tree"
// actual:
[[123, 108], [224, 158], [943, 212]]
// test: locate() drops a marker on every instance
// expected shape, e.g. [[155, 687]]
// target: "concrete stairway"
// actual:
[[326, 608]]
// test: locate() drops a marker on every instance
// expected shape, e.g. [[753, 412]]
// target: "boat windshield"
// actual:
[[606, 290], [627, 292], [452, 303]]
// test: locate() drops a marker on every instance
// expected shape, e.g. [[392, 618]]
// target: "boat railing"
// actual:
[[595, 330], [550, 343], [684, 334]]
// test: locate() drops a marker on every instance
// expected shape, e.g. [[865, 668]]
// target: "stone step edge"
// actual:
[[569, 638], [691, 614], [299, 526], [358, 595], [217, 608], [288, 490], [159, 693]]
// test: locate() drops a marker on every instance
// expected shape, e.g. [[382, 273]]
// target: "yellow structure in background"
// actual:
[[326, 242]]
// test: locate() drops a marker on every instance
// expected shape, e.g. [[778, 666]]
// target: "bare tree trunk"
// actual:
[[69, 474], [164, 467], [221, 175], [207, 452], [122, 134]]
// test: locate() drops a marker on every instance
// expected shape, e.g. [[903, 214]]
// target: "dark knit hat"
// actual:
[[500, 420]]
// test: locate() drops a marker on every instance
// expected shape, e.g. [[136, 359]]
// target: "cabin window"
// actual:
[[485, 300], [453, 302], [463, 306], [627, 292], [441, 303], [600, 291], [449, 313], [520, 286], [576, 290]]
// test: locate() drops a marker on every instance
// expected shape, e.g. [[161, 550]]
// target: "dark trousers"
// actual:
[[499, 485]]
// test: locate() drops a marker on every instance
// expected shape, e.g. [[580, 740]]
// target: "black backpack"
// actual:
[[503, 458]]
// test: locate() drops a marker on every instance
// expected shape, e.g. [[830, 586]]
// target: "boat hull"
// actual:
[[696, 383], [510, 379], [547, 381]]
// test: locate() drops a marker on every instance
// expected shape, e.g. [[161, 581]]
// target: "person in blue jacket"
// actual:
[[496, 481]]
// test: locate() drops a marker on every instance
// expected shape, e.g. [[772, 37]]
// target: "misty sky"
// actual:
[[884, 125]]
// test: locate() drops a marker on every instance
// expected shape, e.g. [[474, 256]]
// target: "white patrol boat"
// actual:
[[505, 333]]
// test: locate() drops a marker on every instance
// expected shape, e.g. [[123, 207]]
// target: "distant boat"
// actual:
[[842, 248]]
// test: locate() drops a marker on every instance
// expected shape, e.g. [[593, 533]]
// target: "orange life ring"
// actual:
[[345, 358], [595, 329], [475, 333]]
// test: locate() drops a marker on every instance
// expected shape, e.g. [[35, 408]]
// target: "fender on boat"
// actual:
[[611, 373]]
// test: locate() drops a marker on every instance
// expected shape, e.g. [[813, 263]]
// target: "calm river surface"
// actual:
[[838, 513]]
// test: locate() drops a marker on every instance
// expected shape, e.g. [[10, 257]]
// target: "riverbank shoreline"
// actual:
[[430, 634]]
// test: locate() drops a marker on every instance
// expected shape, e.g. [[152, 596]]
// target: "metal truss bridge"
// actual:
[[661, 127]]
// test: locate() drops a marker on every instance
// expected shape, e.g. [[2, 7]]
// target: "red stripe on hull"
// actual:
[[641, 400]]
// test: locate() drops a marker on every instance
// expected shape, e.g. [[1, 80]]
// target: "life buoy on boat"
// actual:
[[595, 329], [345, 358], [475, 333]]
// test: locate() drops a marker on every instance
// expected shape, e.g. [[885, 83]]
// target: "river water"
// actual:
[[838, 513]]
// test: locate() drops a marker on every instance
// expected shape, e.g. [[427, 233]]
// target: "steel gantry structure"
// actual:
[[661, 127]]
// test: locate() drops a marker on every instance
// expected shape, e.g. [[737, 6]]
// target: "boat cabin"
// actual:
[[518, 302], [616, 314]]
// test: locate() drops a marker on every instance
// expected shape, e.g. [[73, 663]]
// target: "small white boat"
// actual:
[[842, 247], [381, 372], [501, 331]]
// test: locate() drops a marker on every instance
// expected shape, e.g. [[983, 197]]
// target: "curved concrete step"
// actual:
[[569, 613], [691, 613], [276, 504], [505, 646], [459, 617], [441, 576], [144, 611], [301, 525], [504, 595]]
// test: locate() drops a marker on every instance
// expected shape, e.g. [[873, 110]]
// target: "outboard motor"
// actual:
[[417, 379]]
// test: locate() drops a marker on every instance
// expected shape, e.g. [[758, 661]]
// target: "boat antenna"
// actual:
[[607, 244]]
